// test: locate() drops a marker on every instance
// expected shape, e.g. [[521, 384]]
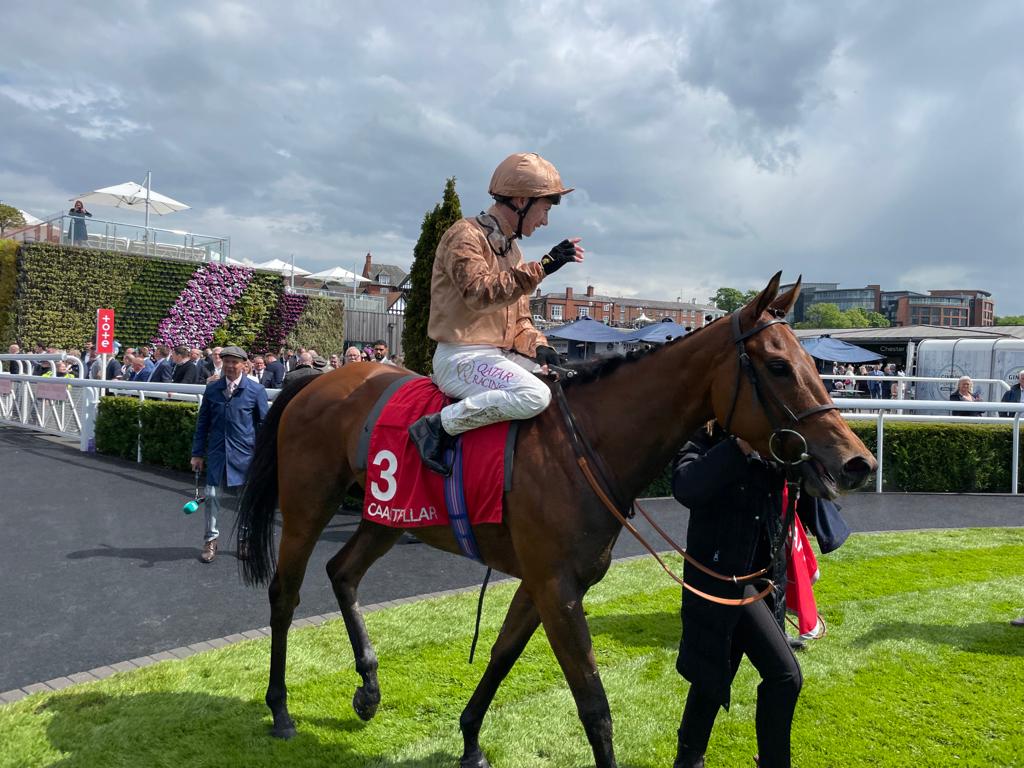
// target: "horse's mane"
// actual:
[[588, 371]]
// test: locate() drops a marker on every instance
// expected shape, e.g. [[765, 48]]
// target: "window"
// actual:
[[582, 312], [384, 278], [556, 311]]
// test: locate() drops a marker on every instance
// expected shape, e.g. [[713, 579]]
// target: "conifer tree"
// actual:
[[417, 347]]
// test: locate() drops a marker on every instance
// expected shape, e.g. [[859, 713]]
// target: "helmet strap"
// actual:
[[521, 213]]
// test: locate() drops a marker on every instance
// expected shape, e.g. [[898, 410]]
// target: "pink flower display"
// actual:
[[286, 315], [203, 306]]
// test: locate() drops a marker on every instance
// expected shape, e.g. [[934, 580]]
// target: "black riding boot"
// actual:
[[432, 441]]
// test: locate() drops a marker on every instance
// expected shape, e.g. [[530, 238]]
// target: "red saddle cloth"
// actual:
[[402, 493]]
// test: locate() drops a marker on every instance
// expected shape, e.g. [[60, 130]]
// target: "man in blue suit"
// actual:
[[275, 372], [233, 409]]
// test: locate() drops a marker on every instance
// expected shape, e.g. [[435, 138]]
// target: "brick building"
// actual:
[[563, 307]]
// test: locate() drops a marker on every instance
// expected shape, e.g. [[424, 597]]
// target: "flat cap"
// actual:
[[234, 351]]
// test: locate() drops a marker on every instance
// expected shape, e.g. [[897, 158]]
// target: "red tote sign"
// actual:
[[104, 331]]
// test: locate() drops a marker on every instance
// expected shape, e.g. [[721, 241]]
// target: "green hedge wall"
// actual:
[[117, 427], [167, 429], [60, 288], [8, 282], [157, 287], [321, 327], [251, 313], [944, 458]]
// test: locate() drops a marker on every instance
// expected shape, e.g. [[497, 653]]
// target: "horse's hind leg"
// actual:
[[346, 570], [520, 623]]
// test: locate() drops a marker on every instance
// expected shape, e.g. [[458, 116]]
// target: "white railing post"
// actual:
[[138, 440], [879, 449], [1015, 453]]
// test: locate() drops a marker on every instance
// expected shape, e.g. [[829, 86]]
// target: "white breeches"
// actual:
[[491, 385]]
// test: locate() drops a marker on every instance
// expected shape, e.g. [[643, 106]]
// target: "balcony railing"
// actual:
[[108, 235]]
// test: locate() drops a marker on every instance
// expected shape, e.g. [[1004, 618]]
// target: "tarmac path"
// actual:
[[98, 564]]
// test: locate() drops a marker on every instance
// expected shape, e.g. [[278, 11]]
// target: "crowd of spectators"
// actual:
[[191, 365], [876, 390]]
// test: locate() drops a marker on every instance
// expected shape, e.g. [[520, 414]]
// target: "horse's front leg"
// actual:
[[345, 570], [283, 601], [560, 604], [521, 622]]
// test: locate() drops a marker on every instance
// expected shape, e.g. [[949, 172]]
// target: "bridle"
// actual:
[[590, 462], [760, 390]]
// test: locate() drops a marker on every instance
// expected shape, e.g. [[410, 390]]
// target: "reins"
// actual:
[[598, 481], [581, 447]]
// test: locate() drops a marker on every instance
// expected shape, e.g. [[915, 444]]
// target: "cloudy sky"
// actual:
[[711, 143]]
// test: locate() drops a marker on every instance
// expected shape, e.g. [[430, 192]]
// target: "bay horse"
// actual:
[[555, 536]]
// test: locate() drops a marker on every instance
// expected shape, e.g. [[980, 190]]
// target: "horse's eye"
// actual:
[[778, 367]]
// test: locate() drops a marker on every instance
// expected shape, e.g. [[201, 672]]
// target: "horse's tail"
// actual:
[[254, 527]]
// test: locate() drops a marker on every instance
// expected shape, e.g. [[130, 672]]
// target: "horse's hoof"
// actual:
[[285, 730], [474, 761], [365, 705]]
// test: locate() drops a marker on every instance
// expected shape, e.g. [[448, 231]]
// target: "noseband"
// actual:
[[765, 395]]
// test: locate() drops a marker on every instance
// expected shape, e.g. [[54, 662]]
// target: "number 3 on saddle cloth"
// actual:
[[402, 493]]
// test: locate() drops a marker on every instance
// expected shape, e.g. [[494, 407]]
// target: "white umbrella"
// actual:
[[276, 265], [133, 195], [338, 275], [30, 220]]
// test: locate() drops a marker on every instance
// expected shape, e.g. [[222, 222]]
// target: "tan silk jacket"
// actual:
[[477, 297]]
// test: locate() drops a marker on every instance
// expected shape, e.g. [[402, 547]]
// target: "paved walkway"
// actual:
[[100, 565]]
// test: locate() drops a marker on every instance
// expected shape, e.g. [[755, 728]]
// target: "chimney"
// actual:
[[568, 293], [367, 265], [590, 290]]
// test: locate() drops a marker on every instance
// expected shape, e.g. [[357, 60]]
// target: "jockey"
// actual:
[[487, 346]]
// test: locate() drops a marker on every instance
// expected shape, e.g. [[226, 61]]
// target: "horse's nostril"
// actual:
[[857, 468]]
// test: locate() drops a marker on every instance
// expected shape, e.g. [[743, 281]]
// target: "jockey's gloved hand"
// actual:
[[559, 256], [546, 356]]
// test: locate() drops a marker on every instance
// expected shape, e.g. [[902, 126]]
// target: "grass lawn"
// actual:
[[919, 668]]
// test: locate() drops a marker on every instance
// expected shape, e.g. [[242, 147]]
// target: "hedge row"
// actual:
[[944, 458], [938, 458], [164, 428]]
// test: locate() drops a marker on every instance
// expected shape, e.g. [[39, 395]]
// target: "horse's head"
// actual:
[[768, 391]]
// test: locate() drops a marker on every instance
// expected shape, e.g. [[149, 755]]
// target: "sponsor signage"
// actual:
[[104, 331]]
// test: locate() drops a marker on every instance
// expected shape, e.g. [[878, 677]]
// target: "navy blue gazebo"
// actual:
[[659, 333], [836, 350]]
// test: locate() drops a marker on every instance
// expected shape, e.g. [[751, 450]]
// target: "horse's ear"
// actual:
[[765, 297], [785, 302]]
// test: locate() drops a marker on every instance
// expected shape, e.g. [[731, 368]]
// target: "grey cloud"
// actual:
[[710, 144]]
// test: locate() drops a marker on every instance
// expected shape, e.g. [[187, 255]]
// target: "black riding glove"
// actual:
[[547, 356], [559, 256]]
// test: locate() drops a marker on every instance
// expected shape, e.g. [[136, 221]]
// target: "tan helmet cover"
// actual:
[[526, 174]]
